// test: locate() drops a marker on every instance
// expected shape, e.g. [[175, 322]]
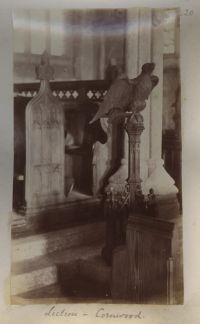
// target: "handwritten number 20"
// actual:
[[188, 12]]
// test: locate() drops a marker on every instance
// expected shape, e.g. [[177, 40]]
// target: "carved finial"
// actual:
[[45, 58], [44, 71]]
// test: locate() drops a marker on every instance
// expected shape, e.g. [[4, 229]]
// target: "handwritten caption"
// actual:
[[57, 311], [187, 13]]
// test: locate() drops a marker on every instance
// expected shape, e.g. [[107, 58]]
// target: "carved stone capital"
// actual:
[[134, 125]]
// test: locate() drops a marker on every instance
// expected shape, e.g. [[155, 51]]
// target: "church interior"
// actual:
[[96, 206]]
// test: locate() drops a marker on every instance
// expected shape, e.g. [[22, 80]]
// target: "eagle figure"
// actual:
[[128, 94]]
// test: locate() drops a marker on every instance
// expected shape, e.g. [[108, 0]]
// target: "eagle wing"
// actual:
[[118, 96]]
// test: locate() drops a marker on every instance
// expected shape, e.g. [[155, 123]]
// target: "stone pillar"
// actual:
[[158, 179], [102, 158], [87, 67], [102, 51], [144, 56], [119, 179], [132, 41], [131, 60], [156, 102]]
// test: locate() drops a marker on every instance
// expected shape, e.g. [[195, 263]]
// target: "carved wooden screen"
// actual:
[[44, 144]]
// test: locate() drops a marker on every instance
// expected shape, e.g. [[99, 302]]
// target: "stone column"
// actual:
[[87, 68], [131, 58], [119, 178], [144, 56], [102, 158], [132, 41], [158, 178], [156, 102], [138, 52]]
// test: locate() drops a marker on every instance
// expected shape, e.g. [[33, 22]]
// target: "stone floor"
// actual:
[[85, 280]]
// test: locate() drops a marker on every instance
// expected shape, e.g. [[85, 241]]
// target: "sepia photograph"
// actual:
[[97, 176]]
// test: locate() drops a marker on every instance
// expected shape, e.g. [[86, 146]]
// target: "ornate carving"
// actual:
[[124, 94], [134, 127], [128, 95], [44, 143], [125, 196], [118, 199], [44, 71]]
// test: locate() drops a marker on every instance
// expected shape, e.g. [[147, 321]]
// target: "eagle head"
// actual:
[[148, 67]]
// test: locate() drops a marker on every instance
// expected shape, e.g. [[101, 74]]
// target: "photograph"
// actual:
[[97, 172]]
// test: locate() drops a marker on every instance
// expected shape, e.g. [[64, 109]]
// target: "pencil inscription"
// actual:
[[101, 312]]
